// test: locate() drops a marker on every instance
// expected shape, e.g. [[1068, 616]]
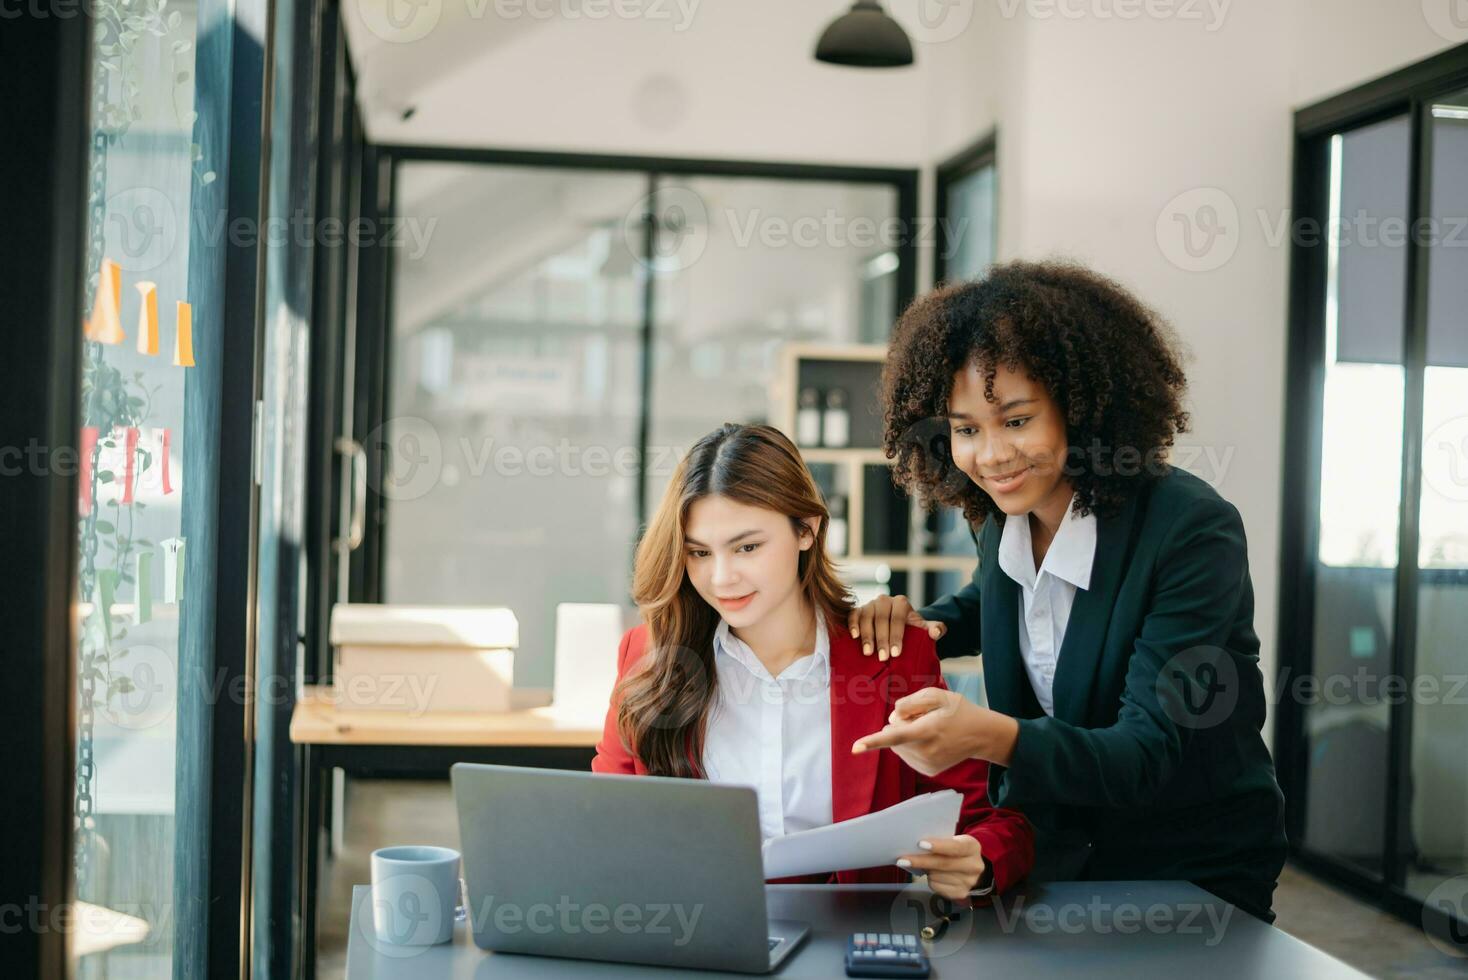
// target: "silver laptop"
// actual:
[[629, 869]]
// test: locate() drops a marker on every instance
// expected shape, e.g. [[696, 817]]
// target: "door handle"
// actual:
[[357, 525]]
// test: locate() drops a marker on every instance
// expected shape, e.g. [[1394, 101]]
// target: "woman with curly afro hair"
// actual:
[[1111, 604]]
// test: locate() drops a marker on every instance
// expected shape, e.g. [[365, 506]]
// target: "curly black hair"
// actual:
[[1112, 365]]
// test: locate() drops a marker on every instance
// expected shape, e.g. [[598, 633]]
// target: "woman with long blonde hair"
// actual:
[[743, 670]]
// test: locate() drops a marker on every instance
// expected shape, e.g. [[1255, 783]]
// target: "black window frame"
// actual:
[[982, 153], [45, 64]]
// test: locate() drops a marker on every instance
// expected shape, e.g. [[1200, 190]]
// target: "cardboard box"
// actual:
[[417, 659]]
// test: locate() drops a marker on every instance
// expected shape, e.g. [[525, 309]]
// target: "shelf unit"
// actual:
[[858, 368]]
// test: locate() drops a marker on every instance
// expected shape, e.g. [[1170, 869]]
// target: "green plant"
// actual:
[[119, 26], [111, 403]]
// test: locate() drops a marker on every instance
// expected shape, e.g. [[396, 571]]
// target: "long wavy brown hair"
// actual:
[[666, 703]]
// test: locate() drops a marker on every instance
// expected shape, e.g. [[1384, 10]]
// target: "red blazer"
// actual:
[[863, 690]]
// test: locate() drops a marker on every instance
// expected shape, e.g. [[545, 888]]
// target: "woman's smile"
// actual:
[[1007, 482], [738, 602]]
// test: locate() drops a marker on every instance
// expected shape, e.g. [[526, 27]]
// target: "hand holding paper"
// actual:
[[954, 866], [864, 842]]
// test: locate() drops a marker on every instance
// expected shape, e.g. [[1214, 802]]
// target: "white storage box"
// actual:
[[587, 635], [416, 659]]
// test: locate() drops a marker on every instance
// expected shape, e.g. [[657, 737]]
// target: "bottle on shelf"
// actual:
[[836, 421], [808, 418], [836, 535]]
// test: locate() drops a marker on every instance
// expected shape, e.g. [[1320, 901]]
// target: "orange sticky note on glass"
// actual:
[[183, 338], [148, 318], [105, 325]]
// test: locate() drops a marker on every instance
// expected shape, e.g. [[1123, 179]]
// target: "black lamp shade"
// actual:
[[865, 37]]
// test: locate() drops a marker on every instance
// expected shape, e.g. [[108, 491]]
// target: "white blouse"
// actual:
[[773, 733], [1046, 595]]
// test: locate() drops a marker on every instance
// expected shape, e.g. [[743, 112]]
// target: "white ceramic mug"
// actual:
[[415, 894]]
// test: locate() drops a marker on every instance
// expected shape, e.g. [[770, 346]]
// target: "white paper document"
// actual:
[[864, 842]]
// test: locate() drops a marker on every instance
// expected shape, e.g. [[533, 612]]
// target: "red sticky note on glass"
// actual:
[[163, 458], [130, 443], [88, 449]]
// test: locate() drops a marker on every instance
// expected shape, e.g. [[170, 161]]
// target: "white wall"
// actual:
[[1104, 123], [1342, 43], [1114, 134], [1120, 119]]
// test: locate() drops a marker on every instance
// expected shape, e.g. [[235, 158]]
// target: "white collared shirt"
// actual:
[[773, 733], [1046, 596]]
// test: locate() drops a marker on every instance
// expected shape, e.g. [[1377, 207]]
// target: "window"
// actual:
[[564, 322], [967, 212], [162, 525], [1376, 555]]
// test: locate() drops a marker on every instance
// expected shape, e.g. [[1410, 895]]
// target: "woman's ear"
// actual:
[[811, 527]]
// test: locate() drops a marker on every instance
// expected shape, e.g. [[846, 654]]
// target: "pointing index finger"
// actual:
[[890, 735]]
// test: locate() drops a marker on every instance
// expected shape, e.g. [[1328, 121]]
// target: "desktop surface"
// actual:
[[1087, 929]]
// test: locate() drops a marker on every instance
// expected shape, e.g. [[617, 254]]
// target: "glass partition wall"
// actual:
[[562, 330], [1373, 692], [1435, 798]]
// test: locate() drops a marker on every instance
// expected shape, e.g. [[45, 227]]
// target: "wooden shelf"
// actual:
[[923, 563], [861, 456], [834, 352]]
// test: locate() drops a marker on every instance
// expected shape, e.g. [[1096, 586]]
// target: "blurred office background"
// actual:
[[440, 292]]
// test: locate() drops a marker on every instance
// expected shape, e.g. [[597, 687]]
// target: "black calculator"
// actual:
[[885, 954]]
